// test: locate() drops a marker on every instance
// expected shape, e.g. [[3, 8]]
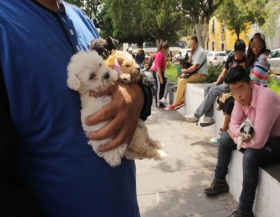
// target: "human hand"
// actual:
[[230, 134], [161, 80], [124, 110], [243, 139]]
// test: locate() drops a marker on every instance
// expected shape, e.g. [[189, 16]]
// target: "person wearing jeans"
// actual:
[[212, 91], [262, 107]]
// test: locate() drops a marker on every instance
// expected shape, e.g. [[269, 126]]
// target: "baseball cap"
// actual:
[[259, 35], [239, 45], [130, 48]]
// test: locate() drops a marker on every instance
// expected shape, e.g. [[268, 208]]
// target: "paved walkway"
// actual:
[[174, 187]]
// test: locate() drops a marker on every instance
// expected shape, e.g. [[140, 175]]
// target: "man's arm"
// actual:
[[237, 117], [221, 77], [15, 197]]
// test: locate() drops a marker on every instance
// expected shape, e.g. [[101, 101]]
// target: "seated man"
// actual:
[[198, 72], [262, 107], [212, 91]]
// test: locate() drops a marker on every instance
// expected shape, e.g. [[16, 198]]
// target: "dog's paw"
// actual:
[[160, 155], [125, 78]]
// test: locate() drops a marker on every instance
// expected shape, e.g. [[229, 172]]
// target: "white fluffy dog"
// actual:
[[247, 131], [88, 72]]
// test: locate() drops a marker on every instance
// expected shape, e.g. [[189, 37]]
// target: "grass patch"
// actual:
[[213, 74], [273, 85]]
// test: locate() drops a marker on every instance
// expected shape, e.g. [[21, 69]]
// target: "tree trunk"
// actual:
[[201, 35], [158, 42]]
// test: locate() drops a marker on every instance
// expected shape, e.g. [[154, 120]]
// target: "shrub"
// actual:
[[214, 72], [171, 71]]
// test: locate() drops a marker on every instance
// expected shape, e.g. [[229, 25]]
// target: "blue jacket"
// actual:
[[42, 117]]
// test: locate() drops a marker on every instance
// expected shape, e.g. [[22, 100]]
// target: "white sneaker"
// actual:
[[215, 141], [191, 118], [163, 101], [207, 122], [167, 108]]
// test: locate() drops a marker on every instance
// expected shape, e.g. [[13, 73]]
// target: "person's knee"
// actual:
[[225, 140], [249, 157]]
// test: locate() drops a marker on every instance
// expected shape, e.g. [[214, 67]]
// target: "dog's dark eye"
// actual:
[[91, 76]]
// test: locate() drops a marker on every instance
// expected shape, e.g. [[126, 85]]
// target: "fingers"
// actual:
[[106, 113], [109, 130], [122, 137]]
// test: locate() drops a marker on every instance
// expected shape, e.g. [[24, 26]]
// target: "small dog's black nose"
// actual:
[[106, 75]]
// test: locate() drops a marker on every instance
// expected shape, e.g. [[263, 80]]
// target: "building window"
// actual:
[[222, 46], [213, 45], [213, 26]]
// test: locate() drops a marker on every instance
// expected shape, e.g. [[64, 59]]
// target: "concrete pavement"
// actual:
[[174, 187]]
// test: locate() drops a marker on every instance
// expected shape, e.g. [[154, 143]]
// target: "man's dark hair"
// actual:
[[237, 73], [194, 38], [239, 45]]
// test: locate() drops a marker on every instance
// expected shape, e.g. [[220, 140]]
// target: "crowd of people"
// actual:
[[242, 88], [47, 168]]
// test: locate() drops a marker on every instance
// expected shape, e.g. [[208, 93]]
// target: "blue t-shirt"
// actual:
[[65, 175]]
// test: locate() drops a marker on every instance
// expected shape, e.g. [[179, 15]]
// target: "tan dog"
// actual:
[[129, 67]]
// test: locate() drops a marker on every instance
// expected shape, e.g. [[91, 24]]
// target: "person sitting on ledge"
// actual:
[[212, 91], [262, 107], [198, 72]]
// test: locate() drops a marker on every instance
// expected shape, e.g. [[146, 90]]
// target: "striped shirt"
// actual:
[[259, 73]]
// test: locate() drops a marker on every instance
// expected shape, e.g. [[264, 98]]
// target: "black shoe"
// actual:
[[238, 214], [161, 105], [217, 187]]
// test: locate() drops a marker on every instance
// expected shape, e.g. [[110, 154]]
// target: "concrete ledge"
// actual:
[[268, 191], [194, 95]]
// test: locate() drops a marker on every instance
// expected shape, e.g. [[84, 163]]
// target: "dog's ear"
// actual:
[[73, 82], [242, 129], [120, 60], [112, 43]]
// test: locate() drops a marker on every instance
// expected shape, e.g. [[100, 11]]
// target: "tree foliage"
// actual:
[[143, 20], [268, 10], [200, 12]]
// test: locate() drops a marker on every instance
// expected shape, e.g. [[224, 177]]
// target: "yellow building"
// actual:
[[221, 39]]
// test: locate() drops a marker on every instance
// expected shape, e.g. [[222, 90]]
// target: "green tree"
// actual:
[[143, 20], [200, 12], [268, 10], [233, 17], [236, 15], [161, 19]]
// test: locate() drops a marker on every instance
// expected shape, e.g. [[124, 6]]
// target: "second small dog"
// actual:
[[88, 72], [247, 131]]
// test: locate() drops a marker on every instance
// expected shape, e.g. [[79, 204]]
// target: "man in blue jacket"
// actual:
[[46, 166]]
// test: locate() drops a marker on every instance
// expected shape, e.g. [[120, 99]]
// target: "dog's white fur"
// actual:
[[87, 72], [246, 130]]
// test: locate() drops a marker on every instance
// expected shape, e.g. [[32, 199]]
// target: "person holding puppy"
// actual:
[[262, 107], [198, 72], [47, 168]]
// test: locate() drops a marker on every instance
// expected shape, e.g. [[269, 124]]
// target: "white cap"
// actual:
[[130, 48]]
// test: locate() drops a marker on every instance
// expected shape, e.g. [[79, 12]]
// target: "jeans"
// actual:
[[210, 95], [252, 159], [169, 89], [159, 87]]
